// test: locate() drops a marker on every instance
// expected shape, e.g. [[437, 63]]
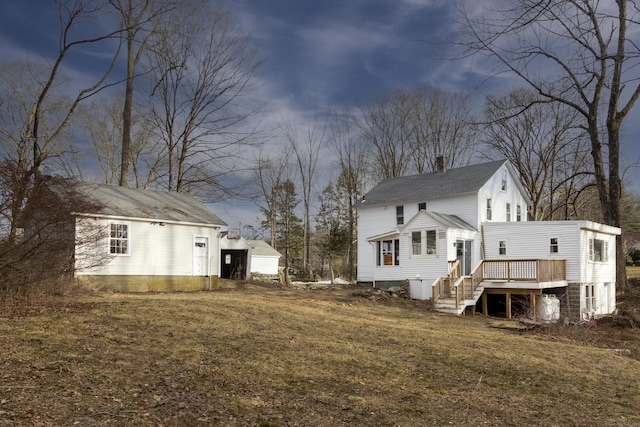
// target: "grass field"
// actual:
[[633, 272], [268, 357]]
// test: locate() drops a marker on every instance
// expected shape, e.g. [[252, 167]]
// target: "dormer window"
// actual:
[[399, 215]]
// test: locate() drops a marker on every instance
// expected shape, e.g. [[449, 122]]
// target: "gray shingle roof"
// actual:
[[262, 248], [432, 185], [110, 200], [451, 221]]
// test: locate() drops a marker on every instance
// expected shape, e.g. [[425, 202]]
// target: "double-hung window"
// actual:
[[488, 209], [416, 242], [518, 213], [508, 209], [119, 238], [502, 247], [399, 215], [553, 245], [423, 239], [590, 298]]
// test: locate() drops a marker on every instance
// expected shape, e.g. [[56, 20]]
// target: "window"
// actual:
[[431, 242], [388, 252], [416, 242], [399, 215], [553, 245], [417, 239], [590, 298], [488, 209], [502, 247], [119, 238], [508, 212], [503, 186], [422, 206], [598, 250], [518, 213]]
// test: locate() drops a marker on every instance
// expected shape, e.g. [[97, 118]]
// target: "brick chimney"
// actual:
[[441, 163]]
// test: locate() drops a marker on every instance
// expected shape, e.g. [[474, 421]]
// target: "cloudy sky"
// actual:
[[317, 53]]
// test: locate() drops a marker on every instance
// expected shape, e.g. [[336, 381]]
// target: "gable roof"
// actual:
[[450, 221], [262, 248], [114, 201], [431, 185]]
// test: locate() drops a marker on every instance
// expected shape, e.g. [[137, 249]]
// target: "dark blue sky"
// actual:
[[317, 53]]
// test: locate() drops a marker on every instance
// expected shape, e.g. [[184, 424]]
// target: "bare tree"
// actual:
[[270, 174], [580, 53], [546, 146], [443, 125], [138, 19], [387, 126], [408, 130], [306, 150], [40, 115], [103, 123], [202, 67], [352, 162]]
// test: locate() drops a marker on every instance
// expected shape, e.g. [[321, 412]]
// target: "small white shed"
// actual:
[[264, 259]]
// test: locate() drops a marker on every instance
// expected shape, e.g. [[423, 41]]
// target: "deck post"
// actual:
[[533, 304], [485, 309], [508, 305]]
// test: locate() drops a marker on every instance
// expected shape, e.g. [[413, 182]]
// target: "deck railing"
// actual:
[[524, 270], [460, 287]]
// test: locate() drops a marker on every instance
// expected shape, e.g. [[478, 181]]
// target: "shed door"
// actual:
[[201, 256]]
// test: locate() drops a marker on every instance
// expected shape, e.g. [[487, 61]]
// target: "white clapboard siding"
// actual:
[[154, 249]]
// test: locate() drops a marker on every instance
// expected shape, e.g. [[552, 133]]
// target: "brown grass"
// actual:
[[633, 272], [265, 357]]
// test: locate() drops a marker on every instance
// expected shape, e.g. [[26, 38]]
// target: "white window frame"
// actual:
[[489, 209], [590, 298], [400, 215], [503, 185], [603, 252], [502, 247], [508, 210], [518, 213], [554, 245], [416, 243], [394, 251], [126, 239]]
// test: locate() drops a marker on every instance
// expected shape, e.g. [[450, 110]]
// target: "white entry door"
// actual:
[[201, 256]]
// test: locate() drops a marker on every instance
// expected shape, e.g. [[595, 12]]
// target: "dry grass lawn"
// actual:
[[273, 357]]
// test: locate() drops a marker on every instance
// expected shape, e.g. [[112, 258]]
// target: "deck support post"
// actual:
[[485, 309], [509, 305]]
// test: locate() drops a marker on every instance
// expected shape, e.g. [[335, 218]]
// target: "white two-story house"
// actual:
[[462, 234]]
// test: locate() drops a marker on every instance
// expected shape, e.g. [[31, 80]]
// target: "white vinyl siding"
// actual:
[[154, 250]]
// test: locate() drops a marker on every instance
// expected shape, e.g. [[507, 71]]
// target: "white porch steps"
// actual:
[[448, 305]]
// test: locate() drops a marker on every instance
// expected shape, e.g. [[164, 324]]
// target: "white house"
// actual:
[[139, 240], [461, 234]]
